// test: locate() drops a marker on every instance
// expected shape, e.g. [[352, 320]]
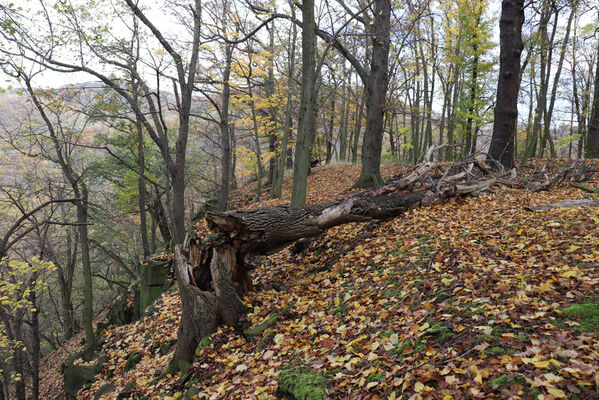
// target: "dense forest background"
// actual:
[[121, 122]]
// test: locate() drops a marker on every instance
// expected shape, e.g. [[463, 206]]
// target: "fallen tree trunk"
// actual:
[[213, 271]]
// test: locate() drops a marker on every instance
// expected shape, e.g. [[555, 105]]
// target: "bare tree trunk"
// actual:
[[225, 136], [549, 114], [357, 129], [159, 214], [592, 147], [506, 108], [329, 132], [288, 119], [307, 115], [343, 123], [141, 186], [35, 348], [376, 89], [256, 135]]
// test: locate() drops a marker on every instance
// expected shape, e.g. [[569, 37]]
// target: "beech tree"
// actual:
[[501, 149]]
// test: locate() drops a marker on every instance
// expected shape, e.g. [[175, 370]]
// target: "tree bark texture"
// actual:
[[506, 108], [376, 89], [307, 115], [225, 136]]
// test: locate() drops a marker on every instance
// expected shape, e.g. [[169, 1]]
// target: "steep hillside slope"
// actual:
[[476, 298]]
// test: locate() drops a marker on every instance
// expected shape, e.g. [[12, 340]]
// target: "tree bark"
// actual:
[[376, 89], [592, 147], [307, 115], [287, 130], [225, 136], [506, 108], [357, 129]]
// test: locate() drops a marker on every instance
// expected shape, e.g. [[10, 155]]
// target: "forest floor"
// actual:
[[475, 298]]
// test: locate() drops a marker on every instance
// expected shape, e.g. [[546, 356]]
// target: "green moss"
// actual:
[[415, 347], [266, 339], [104, 389], [503, 380], [586, 314], [439, 332], [376, 377], [252, 333], [302, 383], [387, 333], [165, 347], [206, 341], [172, 368], [132, 361], [498, 351]]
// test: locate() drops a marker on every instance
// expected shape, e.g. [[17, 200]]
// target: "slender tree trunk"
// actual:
[[415, 119], [159, 213], [592, 147], [343, 123], [549, 114], [88, 294], [329, 132], [152, 237], [470, 148], [357, 129], [141, 187], [506, 108], [442, 122], [35, 338], [225, 136], [256, 137], [13, 332], [389, 123], [288, 119], [540, 113], [376, 89], [270, 93], [307, 115], [232, 178]]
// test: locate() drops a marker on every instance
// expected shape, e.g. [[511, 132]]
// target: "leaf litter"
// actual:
[[475, 298]]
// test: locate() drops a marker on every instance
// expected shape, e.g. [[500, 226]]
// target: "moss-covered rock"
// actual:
[[76, 377], [302, 383], [153, 282], [104, 389], [124, 311], [133, 359]]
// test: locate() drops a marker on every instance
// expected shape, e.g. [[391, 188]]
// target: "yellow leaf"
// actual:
[[557, 393], [424, 326], [418, 387]]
